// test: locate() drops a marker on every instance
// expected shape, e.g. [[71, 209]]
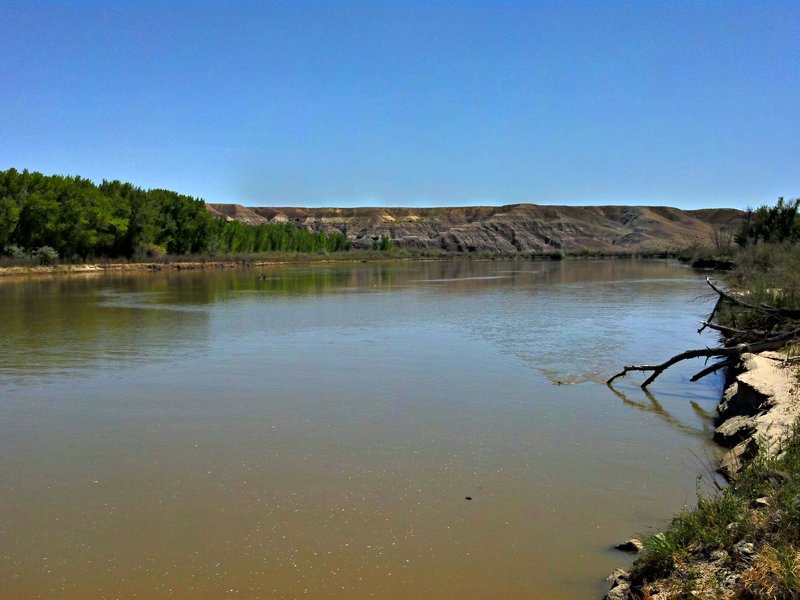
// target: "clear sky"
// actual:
[[688, 104]]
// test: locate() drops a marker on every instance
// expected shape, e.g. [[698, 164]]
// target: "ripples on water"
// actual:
[[315, 430]]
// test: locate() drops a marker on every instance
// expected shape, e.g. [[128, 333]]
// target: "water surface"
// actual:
[[315, 431]]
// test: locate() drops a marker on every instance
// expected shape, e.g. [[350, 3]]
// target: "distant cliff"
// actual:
[[506, 229]]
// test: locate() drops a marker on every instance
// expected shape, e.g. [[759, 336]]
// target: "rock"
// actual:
[[621, 592], [741, 399], [759, 409], [620, 581], [733, 459], [751, 392], [734, 430], [719, 556], [632, 545], [745, 550], [731, 581], [618, 577]]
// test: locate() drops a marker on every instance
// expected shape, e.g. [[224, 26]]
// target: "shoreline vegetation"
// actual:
[[742, 540], [32, 266]]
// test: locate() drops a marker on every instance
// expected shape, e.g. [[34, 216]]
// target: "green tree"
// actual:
[[771, 223], [9, 217]]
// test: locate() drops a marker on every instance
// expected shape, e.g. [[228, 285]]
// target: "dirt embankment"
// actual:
[[758, 409], [756, 418], [505, 229]]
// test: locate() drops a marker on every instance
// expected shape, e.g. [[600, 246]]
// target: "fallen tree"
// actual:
[[782, 328]]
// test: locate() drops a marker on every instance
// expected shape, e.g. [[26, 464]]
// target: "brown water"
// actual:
[[315, 433]]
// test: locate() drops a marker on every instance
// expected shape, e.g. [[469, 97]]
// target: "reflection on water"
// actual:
[[655, 407], [69, 326], [315, 430]]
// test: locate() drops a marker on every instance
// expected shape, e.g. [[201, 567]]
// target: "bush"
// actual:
[[45, 255], [384, 244], [16, 252], [149, 252]]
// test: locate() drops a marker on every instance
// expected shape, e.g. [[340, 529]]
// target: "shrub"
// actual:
[[45, 255], [149, 252], [16, 252]]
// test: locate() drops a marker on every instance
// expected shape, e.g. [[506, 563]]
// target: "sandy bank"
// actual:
[[758, 409], [22, 271], [756, 417]]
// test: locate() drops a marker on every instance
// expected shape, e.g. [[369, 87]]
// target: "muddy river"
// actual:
[[400, 430]]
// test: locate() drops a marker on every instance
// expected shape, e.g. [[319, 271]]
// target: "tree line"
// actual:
[[777, 223], [72, 218]]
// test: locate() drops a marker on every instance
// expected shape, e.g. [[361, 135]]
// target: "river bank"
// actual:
[[276, 259], [740, 541], [180, 265], [19, 270]]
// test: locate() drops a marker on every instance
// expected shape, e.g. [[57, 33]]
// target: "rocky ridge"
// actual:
[[504, 229]]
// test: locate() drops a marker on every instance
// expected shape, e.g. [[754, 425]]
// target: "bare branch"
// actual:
[[771, 343], [714, 368], [757, 340], [707, 322], [784, 312], [733, 330], [729, 298], [658, 369]]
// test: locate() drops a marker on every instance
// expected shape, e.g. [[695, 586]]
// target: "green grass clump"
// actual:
[[751, 527], [717, 522]]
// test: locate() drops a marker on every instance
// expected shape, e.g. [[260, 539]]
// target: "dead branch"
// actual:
[[732, 331], [735, 352], [790, 313], [732, 299], [689, 354], [707, 322], [740, 340], [714, 368]]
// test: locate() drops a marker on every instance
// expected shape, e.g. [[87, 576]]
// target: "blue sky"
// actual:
[[689, 104]]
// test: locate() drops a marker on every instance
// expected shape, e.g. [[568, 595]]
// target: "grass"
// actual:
[[750, 529], [770, 273], [766, 274], [775, 573]]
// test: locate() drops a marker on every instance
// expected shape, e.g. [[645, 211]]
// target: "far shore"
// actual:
[[245, 262], [177, 265], [124, 267]]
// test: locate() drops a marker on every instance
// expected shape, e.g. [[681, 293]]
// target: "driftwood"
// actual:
[[789, 313], [758, 341]]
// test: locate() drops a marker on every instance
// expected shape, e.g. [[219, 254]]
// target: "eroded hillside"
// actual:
[[506, 229]]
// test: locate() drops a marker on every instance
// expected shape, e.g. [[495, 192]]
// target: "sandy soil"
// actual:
[[767, 389]]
